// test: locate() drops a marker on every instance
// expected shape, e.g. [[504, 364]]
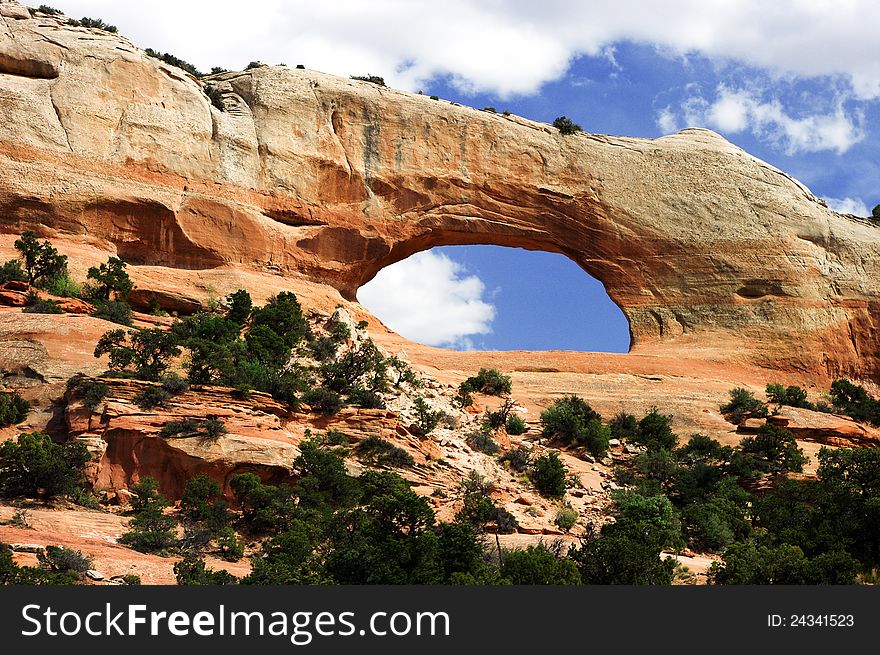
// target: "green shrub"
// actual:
[[151, 397], [36, 467], [336, 438], [364, 366], [793, 396], [536, 565], [655, 431], [360, 397], [288, 558], [489, 381], [202, 503], [519, 458], [50, 11], [186, 427], [151, 530], [323, 401], [572, 421], [65, 560], [12, 271], [13, 574], [147, 353], [323, 483], [265, 508], [379, 452], [373, 79], [324, 348], [171, 60], [516, 424], [463, 397], [154, 308], [215, 95], [254, 64], [548, 475], [746, 563], [426, 419], [110, 279], [95, 23], [775, 448], [230, 544], [566, 518], [41, 261], [47, 306], [131, 580], [13, 408], [191, 571], [743, 405], [211, 429], [498, 418], [114, 311], [491, 110], [483, 442], [173, 384], [566, 126], [624, 426], [90, 392], [624, 553], [854, 401], [145, 491], [438, 97], [62, 285], [240, 306]]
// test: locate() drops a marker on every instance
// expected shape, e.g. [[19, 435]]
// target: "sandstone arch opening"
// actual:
[[481, 297]]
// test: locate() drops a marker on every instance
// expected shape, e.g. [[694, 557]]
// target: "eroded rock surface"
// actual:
[[311, 175]]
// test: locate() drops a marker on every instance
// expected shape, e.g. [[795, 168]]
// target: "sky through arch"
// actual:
[[496, 298]]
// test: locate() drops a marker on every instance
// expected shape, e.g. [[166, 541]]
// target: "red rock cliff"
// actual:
[[333, 179]]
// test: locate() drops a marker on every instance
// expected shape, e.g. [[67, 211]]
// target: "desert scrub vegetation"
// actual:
[[177, 62], [483, 442], [34, 466], [13, 408], [566, 126], [743, 405], [548, 474], [571, 421], [489, 381], [56, 565], [215, 96], [93, 23], [380, 452], [372, 79]]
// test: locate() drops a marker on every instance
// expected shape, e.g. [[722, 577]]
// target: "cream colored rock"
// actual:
[[314, 175]]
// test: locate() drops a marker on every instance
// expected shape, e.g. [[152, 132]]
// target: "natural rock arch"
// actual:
[[312, 175]]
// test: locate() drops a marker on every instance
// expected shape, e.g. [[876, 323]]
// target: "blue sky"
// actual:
[[794, 82]]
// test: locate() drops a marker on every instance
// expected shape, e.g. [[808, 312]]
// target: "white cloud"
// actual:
[[431, 299], [667, 120], [503, 46], [848, 206], [735, 111]]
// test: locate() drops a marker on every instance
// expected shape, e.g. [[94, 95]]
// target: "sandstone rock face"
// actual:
[[261, 436], [307, 174], [819, 427]]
